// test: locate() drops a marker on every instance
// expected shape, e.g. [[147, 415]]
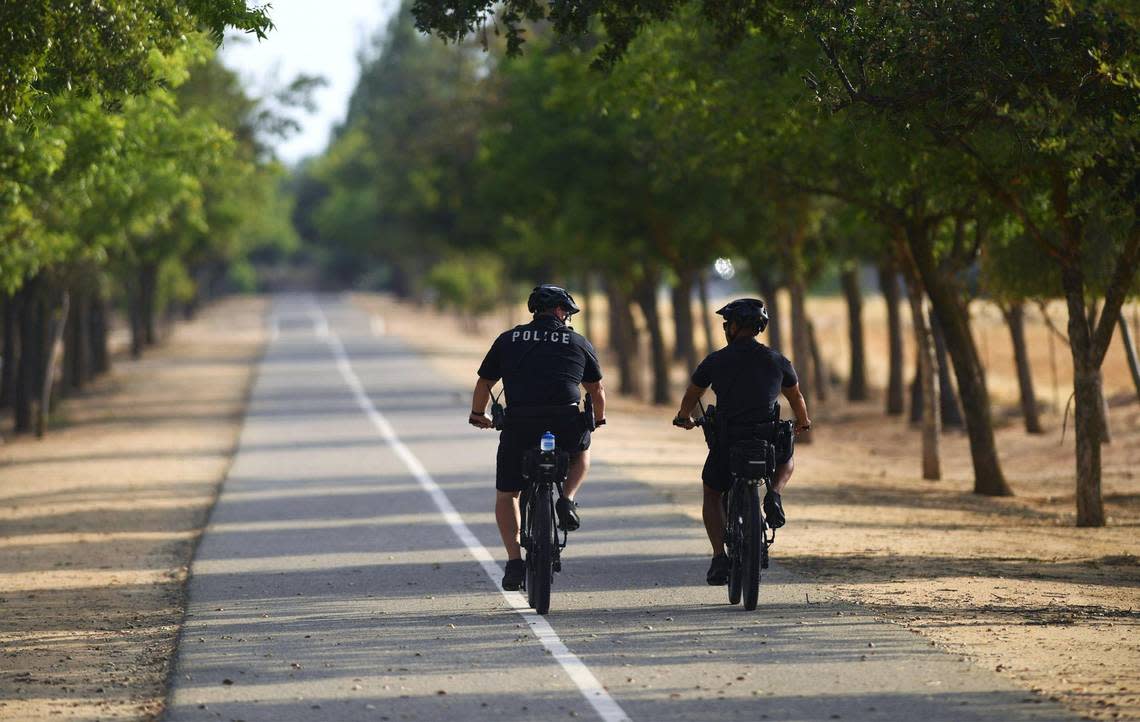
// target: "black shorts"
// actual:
[[522, 431], [716, 474]]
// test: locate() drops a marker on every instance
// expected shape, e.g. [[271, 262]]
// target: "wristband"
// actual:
[[600, 422]]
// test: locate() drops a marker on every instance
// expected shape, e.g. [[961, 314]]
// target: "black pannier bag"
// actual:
[[752, 459]]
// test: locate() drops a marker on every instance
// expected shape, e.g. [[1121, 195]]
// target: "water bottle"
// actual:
[[547, 443]]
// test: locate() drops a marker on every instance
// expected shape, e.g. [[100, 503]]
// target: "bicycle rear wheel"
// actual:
[[750, 552], [732, 545], [540, 556]]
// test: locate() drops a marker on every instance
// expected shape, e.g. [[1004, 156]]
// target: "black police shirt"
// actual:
[[541, 363], [747, 377]]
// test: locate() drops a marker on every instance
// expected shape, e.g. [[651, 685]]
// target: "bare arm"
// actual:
[[799, 407], [479, 400], [598, 394], [692, 395]]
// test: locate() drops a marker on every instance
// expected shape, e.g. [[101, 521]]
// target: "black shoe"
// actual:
[[718, 571], [567, 514], [515, 574], [773, 511]]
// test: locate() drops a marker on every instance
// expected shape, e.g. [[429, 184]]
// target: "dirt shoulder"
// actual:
[[1008, 583], [98, 522]]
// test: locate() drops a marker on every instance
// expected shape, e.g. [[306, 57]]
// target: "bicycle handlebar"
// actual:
[[699, 421]]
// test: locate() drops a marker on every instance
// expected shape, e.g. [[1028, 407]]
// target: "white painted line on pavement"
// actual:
[[605, 705], [320, 324]]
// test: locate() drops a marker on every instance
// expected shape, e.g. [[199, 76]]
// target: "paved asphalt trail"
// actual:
[[329, 586]]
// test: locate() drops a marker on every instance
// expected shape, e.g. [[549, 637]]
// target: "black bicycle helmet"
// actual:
[[546, 296], [746, 312]]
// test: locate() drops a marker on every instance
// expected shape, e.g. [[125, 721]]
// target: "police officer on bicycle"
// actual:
[[542, 364], [748, 378]]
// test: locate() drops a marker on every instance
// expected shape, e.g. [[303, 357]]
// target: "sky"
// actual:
[[316, 37]]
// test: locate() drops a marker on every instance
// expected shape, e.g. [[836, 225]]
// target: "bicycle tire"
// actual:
[[750, 552], [731, 536], [540, 556]]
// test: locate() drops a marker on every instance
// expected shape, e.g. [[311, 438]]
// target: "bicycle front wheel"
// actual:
[[751, 550], [540, 556]]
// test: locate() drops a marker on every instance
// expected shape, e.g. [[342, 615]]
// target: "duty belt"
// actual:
[[538, 412]]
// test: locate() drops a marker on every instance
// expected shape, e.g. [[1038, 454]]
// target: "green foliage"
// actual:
[[397, 184], [469, 284], [52, 48], [172, 173], [797, 135], [174, 283], [621, 19], [242, 276]]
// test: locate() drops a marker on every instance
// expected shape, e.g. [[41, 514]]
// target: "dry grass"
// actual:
[[98, 522]]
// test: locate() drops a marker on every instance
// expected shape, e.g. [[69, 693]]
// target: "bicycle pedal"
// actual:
[[558, 565]]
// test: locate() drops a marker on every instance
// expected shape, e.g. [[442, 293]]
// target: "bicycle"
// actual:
[[747, 537], [746, 533], [545, 470]]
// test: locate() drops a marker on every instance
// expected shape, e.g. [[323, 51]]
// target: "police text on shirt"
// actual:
[[535, 335]]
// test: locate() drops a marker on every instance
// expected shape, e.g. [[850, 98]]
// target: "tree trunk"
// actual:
[[706, 312], [1053, 372], [1102, 407], [100, 352], [55, 337], [646, 293], [889, 286], [1129, 351], [1015, 319], [801, 343], [77, 342], [84, 358], [70, 379], [10, 351], [1102, 403], [148, 287], [857, 376], [685, 348], [946, 298], [916, 395], [928, 380], [1088, 345], [819, 368], [135, 317], [948, 402], [1086, 391], [30, 354], [624, 342], [770, 293]]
